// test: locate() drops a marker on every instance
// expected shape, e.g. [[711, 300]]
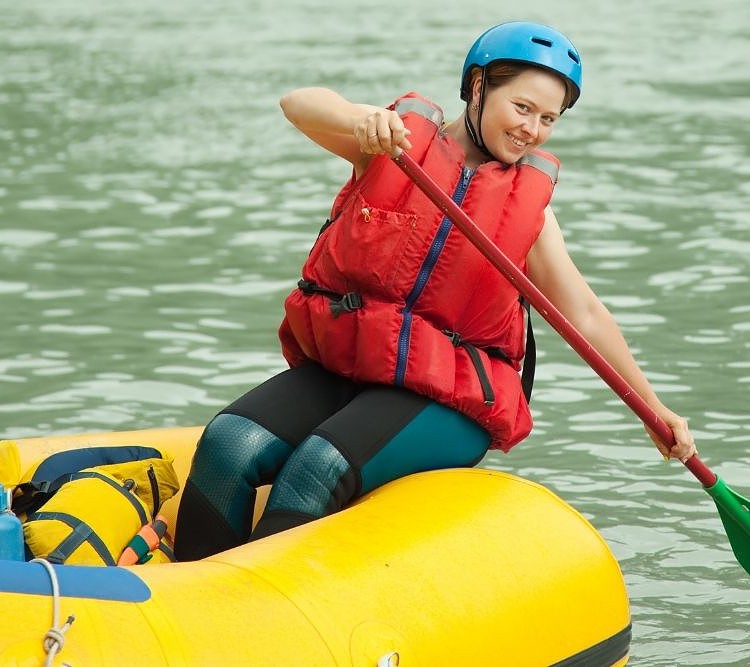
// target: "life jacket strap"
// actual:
[[81, 533], [132, 499], [340, 303], [529, 358], [420, 106], [476, 361], [541, 163]]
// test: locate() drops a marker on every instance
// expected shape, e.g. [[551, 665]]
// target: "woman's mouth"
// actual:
[[516, 141]]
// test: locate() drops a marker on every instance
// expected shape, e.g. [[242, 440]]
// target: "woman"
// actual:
[[405, 345]]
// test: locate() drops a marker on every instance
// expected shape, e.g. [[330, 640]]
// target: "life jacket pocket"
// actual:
[[365, 247]]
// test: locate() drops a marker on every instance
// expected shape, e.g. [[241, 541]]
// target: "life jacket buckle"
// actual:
[[348, 303], [454, 336], [340, 303]]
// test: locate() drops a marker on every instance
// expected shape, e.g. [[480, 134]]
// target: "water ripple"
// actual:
[[154, 218]]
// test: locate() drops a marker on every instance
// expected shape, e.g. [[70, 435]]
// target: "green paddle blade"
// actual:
[[734, 511]]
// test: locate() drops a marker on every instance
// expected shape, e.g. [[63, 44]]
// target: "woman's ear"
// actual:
[[476, 86]]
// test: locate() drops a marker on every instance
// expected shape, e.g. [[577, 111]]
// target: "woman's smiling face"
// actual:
[[518, 115]]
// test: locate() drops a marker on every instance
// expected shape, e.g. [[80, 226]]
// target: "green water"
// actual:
[[155, 208]]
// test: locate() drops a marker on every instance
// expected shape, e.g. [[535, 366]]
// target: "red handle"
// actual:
[[548, 311]]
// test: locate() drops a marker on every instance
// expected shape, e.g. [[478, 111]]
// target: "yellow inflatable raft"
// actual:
[[455, 567]]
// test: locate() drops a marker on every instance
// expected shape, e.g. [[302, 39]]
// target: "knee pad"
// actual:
[[316, 480], [234, 452]]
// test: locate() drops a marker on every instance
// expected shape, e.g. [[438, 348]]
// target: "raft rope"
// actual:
[[54, 640]]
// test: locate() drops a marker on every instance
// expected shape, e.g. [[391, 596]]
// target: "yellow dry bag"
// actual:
[[88, 516]]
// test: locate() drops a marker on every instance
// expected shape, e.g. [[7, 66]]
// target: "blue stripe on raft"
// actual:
[[76, 581]]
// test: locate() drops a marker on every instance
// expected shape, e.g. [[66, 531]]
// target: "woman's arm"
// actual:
[[355, 132], [552, 270]]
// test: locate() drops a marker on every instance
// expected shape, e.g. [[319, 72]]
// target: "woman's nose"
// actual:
[[531, 125]]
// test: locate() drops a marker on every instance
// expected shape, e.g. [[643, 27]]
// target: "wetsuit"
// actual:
[[322, 440]]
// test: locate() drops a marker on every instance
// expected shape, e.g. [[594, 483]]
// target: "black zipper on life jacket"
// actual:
[[433, 254]]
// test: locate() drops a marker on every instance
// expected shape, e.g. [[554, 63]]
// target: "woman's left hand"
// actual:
[[684, 446]]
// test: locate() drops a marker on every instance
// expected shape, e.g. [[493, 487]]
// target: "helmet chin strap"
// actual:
[[476, 134]]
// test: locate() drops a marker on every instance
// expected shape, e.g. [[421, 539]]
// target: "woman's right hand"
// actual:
[[382, 132]]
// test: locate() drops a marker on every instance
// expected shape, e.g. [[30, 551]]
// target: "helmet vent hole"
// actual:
[[540, 40], [574, 57]]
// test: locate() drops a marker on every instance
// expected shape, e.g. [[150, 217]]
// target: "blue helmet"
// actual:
[[523, 42]]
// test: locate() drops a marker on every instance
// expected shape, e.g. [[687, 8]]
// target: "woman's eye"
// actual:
[[522, 107]]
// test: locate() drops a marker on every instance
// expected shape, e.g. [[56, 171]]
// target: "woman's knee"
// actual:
[[234, 447], [315, 481]]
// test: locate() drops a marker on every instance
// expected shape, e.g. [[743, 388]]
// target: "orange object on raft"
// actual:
[[144, 542]]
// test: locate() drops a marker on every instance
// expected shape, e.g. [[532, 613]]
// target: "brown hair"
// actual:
[[499, 73]]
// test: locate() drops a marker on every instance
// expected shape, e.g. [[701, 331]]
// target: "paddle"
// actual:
[[734, 510]]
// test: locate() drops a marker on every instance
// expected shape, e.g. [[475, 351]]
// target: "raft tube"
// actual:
[[451, 567]]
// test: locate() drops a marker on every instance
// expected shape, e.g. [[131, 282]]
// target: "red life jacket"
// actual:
[[392, 294]]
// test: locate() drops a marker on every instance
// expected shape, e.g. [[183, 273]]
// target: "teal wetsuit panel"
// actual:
[[436, 438]]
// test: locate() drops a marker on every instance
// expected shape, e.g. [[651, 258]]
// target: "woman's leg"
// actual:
[[245, 446], [382, 434]]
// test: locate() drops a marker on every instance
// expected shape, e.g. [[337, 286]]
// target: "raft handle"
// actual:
[[389, 660]]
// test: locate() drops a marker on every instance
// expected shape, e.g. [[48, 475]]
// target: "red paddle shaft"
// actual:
[[548, 311]]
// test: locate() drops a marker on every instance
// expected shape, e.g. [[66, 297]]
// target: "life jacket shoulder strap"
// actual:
[[414, 103], [543, 162], [137, 504]]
